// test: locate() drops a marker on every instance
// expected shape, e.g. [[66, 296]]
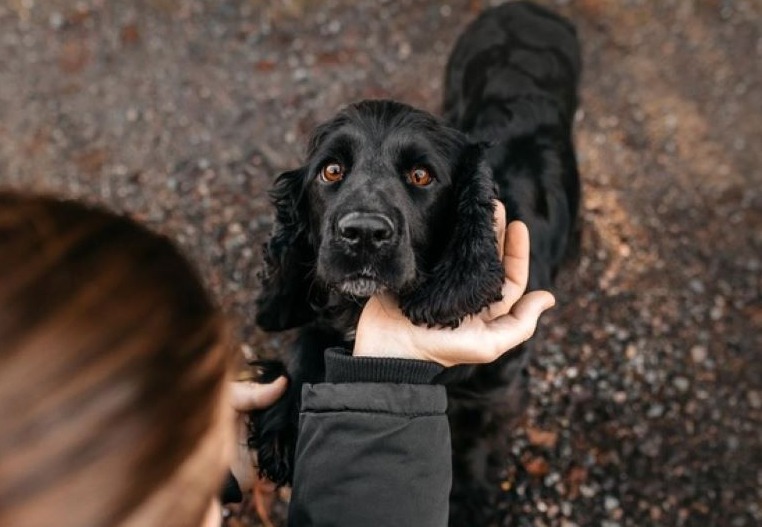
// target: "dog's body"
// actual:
[[393, 198]]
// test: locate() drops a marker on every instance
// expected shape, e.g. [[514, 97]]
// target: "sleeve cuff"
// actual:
[[341, 367]]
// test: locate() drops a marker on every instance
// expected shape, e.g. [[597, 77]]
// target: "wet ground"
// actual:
[[647, 387]]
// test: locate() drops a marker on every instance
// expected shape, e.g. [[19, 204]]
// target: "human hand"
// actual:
[[247, 396], [384, 331]]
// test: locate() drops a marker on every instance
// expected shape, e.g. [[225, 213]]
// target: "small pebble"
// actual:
[[755, 399], [656, 410], [681, 383], [698, 354]]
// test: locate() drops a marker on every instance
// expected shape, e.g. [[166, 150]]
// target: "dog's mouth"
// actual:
[[363, 284]]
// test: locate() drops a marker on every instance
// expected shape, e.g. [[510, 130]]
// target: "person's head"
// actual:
[[113, 362]]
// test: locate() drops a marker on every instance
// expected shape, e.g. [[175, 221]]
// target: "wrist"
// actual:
[[382, 345]]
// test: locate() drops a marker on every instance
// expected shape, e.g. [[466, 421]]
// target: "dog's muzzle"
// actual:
[[367, 238]]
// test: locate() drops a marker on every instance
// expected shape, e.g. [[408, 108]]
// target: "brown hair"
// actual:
[[112, 362]]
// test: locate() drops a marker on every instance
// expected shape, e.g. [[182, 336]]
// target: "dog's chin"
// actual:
[[360, 287]]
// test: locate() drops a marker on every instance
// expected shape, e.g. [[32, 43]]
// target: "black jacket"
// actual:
[[374, 446]]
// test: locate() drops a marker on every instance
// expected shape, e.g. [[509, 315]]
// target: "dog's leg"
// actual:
[[481, 410], [271, 433], [274, 430]]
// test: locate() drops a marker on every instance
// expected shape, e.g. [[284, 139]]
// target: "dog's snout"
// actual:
[[366, 228]]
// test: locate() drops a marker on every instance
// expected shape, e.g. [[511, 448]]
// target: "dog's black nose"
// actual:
[[366, 227]]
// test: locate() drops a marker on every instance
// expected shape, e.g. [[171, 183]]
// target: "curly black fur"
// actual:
[[443, 265], [468, 275], [510, 98]]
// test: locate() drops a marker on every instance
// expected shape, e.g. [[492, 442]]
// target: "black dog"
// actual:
[[393, 198]]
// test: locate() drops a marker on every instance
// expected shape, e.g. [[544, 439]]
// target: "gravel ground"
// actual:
[[647, 386]]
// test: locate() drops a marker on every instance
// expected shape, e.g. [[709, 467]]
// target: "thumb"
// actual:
[[248, 396], [533, 304], [528, 309]]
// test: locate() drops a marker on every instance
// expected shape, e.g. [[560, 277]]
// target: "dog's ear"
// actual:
[[288, 259], [469, 275]]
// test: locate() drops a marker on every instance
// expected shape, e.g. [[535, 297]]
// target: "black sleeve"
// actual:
[[342, 367], [372, 453]]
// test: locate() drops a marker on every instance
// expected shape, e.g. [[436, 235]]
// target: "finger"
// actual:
[[529, 308], [516, 268], [507, 332], [248, 396], [516, 259], [499, 223], [534, 304], [510, 295], [526, 312]]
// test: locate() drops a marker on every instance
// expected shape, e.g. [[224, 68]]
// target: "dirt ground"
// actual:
[[647, 385]]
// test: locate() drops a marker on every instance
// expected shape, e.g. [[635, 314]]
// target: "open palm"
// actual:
[[384, 331]]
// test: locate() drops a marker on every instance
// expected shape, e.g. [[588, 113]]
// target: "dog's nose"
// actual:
[[366, 227]]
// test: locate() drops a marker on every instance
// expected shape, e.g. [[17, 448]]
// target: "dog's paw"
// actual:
[[272, 432], [274, 457]]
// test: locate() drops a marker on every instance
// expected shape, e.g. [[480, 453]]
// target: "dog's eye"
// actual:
[[332, 172], [420, 177]]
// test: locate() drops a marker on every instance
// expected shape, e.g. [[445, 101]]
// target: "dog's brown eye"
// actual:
[[419, 176], [332, 172]]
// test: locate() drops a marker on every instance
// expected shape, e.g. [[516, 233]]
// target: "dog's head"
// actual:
[[390, 198]]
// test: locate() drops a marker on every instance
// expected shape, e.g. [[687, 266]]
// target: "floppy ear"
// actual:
[[288, 259], [469, 275]]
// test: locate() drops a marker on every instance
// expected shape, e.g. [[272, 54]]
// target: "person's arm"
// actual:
[[374, 446], [374, 440]]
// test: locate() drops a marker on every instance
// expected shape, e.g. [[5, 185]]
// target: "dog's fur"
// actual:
[[510, 98]]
